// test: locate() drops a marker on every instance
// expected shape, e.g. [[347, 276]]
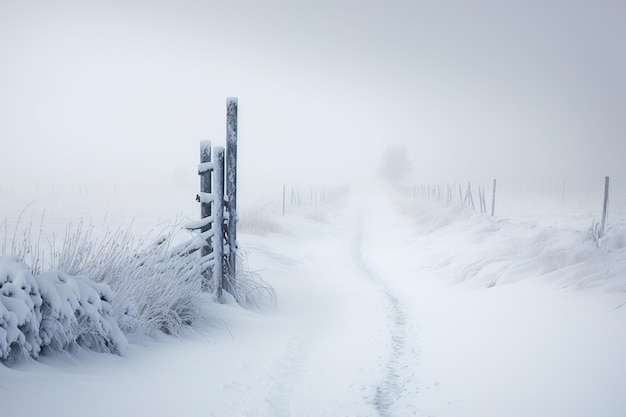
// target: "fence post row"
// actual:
[[437, 194], [214, 230]]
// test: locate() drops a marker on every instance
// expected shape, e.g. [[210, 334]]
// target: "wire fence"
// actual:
[[553, 203]]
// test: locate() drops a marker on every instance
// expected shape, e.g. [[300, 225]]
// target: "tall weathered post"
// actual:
[[606, 204], [493, 198], [231, 182], [205, 207], [283, 199]]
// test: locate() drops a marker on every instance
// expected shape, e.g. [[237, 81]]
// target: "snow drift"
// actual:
[[53, 311]]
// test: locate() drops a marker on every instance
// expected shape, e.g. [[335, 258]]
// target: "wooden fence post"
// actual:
[[205, 207], [284, 199], [218, 223], [484, 199], [493, 198], [606, 204], [231, 183]]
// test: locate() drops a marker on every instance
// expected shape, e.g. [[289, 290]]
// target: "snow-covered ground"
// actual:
[[386, 307]]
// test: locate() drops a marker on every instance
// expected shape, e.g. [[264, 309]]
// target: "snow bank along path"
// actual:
[[385, 309]]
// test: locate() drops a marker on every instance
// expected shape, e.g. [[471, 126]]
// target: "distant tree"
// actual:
[[395, 164]]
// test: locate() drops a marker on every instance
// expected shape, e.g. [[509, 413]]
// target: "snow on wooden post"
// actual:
[[231, 182], [218, 223], [606, 204], [205, 207], [205, 180], [493, 198], [283, 200]]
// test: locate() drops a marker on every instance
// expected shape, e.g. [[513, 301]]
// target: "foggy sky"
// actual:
[[116, 91]]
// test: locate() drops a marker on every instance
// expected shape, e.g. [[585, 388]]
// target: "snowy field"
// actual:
[[386, 307]]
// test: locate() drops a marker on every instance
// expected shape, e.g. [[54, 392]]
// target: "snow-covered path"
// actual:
[[388, 390], [331, 348], [384, 310], [348, 360]]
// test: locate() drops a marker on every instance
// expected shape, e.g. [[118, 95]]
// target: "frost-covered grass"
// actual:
[[249, 289], [156, 289], [99, 292]]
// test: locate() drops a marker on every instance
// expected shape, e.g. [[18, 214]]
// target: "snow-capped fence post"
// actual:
[[211, 224], [218, 221], [205, 207], [606, 205], [284, 199], [231, 183], [493, 198]]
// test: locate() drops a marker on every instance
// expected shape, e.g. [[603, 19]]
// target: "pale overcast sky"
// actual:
[[112, 91]]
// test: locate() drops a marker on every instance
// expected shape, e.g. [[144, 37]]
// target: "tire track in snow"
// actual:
[[389, 390]]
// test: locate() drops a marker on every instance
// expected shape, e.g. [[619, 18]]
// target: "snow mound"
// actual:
[[53, 311], [20, 310], [479, 250]]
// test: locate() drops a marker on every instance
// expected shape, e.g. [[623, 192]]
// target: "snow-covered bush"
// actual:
[[76, 310], [53, 311], [20, 314]]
